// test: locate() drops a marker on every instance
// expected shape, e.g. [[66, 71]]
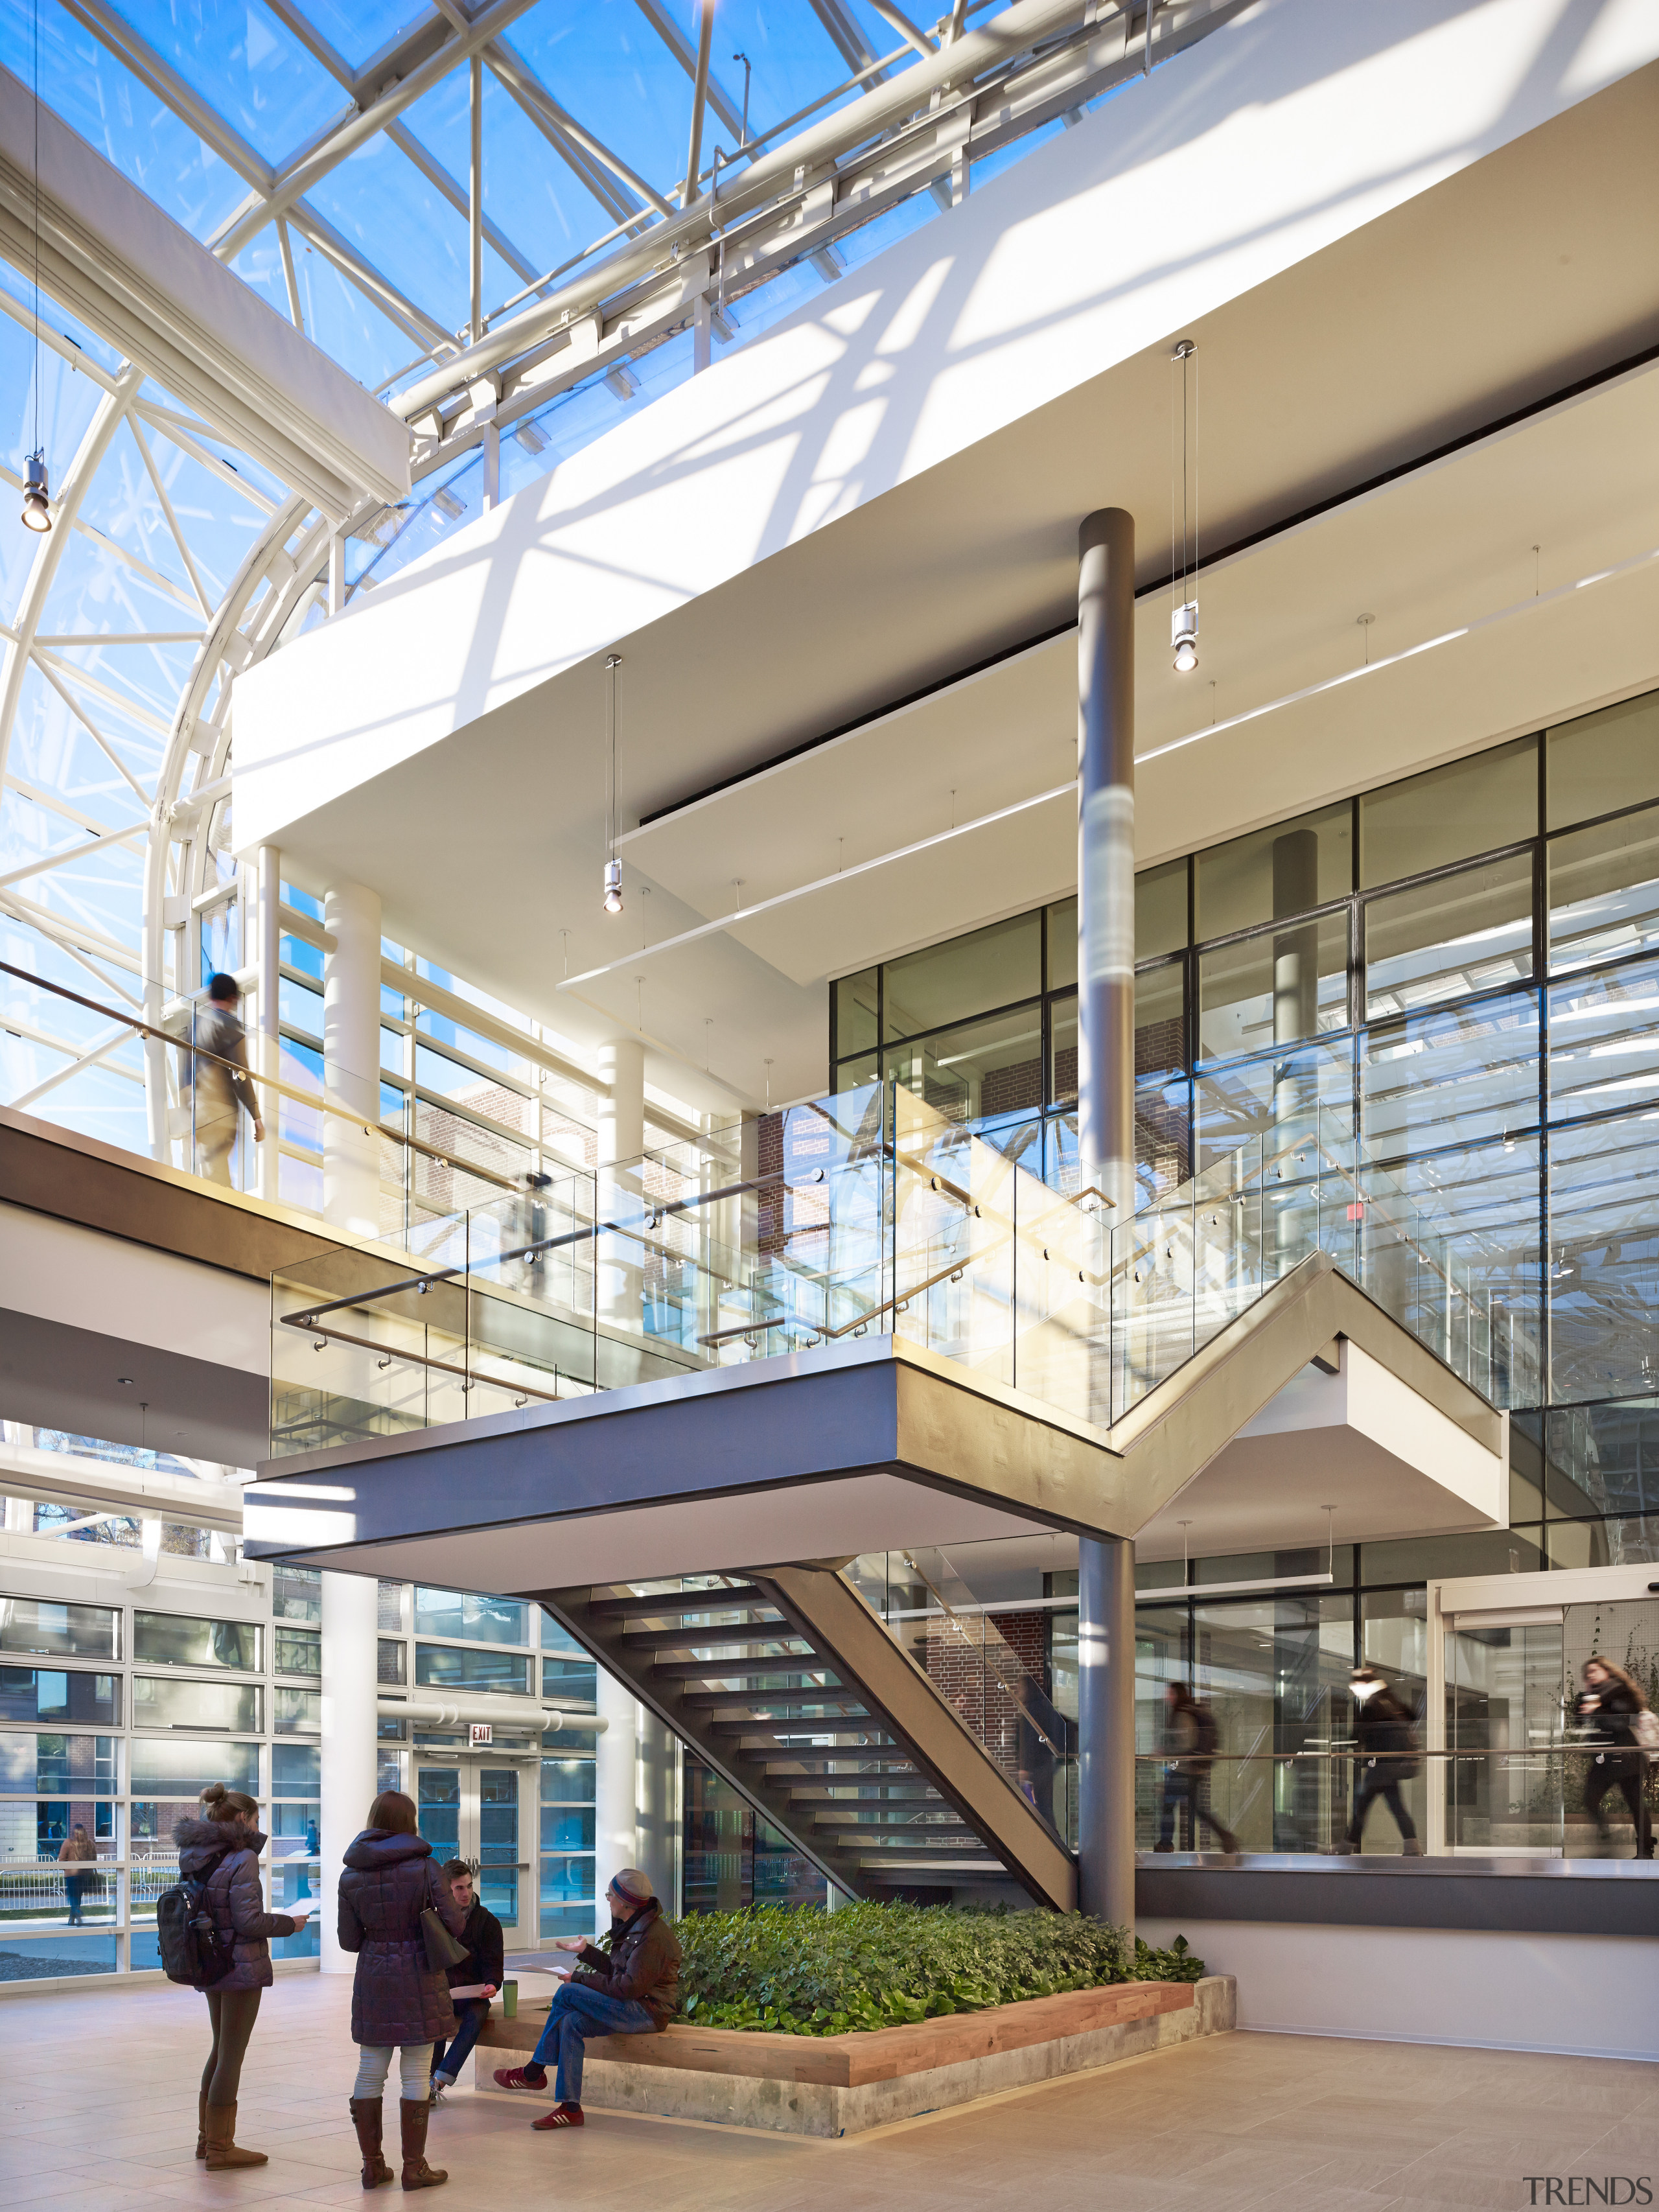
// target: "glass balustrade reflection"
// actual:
[[864, 1215]]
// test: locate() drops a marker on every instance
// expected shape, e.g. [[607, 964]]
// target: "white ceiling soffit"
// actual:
[[130, 272], [1360, 1442], [704, 1535], [921, 821]]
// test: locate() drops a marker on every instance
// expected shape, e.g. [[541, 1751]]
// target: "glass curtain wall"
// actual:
[[1466, 960]]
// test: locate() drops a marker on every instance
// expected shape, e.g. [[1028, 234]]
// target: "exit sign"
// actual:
[[478, 1733]]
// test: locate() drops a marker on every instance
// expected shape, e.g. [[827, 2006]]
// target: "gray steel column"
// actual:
[[1106, 1046], [1106, 853], [1106, 1729]]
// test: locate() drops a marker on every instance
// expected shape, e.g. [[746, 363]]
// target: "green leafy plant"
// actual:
[[869, 1965]]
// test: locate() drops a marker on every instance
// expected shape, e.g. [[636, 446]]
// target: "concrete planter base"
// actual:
[[842, 2085]]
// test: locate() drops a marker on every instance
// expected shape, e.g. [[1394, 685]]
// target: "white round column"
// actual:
[[350, 1616], [616, 1789], [351, 1059]]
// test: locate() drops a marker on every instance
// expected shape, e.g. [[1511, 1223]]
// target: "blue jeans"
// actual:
[[448, 2059], [579, 2012]]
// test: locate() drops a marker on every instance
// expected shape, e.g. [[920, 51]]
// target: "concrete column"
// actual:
[[350, 1616], [615, 1791], [1106, 1041], [351, 1058], [621, 1113], [1106, 1729], [267, 1054]]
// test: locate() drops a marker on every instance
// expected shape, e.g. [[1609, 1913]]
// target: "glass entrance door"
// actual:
[[469, 1809]]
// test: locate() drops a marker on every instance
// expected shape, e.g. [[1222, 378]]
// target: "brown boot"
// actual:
[[222, 2149], [368, 2118], [200, 2123], [413, 2113]]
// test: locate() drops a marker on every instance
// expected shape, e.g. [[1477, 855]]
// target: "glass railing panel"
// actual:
[[816, 1229], [953, 1205], [868, 1213], [1183, 1269], [1497, 1801], [997, 1695], [529, 1287]]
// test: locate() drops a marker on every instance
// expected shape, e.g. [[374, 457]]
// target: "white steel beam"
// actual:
[[110, 256], [293, 183]]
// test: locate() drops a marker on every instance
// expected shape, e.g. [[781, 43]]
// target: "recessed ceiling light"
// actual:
[[125, 1382]]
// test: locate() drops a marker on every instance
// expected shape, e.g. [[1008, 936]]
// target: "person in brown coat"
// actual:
[[633, 1989], [76, 1848], [398, 2000], [222, 1851]]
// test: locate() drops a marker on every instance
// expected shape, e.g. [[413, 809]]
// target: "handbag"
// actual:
[[442, 1951]]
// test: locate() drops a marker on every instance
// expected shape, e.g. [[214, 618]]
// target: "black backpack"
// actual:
[[1209, 1735], [192, 1949]]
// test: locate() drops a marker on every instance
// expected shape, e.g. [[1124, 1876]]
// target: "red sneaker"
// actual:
[[518, 2077], [561, 2116]]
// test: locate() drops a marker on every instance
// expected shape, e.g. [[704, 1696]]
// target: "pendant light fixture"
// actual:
[[613, 897], [37, 496], [1183, 621]]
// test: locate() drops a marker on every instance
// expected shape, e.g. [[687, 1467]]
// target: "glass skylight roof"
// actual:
[[114, 727]]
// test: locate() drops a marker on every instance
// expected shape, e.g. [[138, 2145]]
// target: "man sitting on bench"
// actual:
[[631, 1990]]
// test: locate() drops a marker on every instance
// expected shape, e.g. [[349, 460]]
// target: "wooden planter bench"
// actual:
[[839, 2085]]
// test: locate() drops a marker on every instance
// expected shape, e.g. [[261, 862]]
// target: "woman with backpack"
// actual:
[[1606, 1709], [1190, 1737], [399, 1998], [1388, 1757], [220, 1851]]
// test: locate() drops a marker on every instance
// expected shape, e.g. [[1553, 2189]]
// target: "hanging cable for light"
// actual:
[[37, 496], [613, 897], [1183, 621]]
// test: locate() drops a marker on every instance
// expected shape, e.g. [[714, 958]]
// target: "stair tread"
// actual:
[[720, 1670], [669, 1604]]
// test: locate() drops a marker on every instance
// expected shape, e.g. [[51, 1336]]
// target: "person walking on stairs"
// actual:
[[221, 1849], [400, 1999], [630, 1989]]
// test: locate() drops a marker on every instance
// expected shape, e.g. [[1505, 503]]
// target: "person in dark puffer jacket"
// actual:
[[397, 2000], [223, 1851]]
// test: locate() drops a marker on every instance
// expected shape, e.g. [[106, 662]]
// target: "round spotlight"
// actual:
[[37, 498], [613, 898], [1186, 655]]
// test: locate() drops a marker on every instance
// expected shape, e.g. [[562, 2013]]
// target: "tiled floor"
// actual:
[[98, 2114]]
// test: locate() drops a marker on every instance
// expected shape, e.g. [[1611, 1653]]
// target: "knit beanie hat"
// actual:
[[633, 1885]]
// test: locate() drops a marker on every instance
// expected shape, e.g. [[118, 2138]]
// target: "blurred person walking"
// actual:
[[75, 1849], [400, 1999], [221, 1849], [1606, 1710], [1190, 1737], [1387, 1756], [483, 1968], [632, 1990], [218, 1090]]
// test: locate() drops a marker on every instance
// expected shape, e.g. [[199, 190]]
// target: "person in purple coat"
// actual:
[[399, 2002], [221, 1850]]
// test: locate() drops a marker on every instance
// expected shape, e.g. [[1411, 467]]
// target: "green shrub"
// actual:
[[880, 1965]]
